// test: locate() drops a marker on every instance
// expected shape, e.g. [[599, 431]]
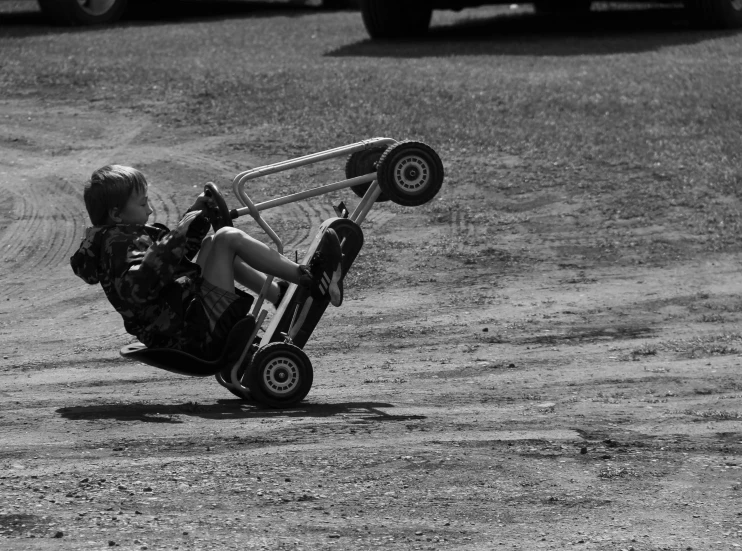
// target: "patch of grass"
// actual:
[[713, 414], [712, 318], [644, 350], [612, 472], [704, 347]]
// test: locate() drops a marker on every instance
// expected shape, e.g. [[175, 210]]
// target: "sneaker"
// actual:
[[326, 268]]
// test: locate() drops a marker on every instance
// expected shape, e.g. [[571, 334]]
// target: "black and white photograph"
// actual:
[[350, 275]]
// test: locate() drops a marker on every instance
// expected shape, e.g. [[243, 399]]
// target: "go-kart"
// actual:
[[273, 368]]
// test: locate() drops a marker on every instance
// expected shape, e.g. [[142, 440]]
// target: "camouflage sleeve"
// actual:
[[196, 233], [141, 267]]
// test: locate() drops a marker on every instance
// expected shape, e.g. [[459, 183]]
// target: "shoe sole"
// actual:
[[336, 293], [331, 284]]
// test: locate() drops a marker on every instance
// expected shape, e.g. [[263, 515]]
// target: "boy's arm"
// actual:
[[196, 233], [200, 226], [141, 268]]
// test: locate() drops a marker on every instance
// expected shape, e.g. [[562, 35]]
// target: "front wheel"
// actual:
[[83, 12], [410, 173], [715, 14], [361, 163], [396, 18], [280, 375]]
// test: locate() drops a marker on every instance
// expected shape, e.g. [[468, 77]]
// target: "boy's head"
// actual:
[[117, 194]]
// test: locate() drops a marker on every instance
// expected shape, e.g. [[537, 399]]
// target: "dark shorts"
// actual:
[[211, 315]]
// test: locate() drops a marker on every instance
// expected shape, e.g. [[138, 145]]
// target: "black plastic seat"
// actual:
[[177, 361]]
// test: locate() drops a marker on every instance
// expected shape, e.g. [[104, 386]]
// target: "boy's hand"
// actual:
[[204, 203], [183, 225]]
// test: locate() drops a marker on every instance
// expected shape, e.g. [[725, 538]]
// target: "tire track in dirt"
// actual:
[[46, 237], [460, 230], [42, 175]]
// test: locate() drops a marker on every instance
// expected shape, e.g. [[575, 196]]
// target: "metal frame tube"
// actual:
[[306, 194], [369, 198], [239, 181]]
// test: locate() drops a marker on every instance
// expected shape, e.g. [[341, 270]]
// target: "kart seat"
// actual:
[[177, 361]]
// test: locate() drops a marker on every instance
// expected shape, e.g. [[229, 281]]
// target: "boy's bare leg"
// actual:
[[254, 280], [231, 253], [243, 273]]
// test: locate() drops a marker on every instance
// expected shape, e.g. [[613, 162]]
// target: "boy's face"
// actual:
[[136, 210]]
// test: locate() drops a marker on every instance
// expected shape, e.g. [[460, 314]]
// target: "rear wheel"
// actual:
[[715, 14], [396, 18], [83, 12], [280, 375]]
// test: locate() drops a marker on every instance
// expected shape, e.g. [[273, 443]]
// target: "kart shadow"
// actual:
[[609, 32], [32, 22], [229, 409]]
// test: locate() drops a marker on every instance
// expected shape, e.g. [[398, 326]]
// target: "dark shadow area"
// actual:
[[530, 34], [363, 412], [32, 22]]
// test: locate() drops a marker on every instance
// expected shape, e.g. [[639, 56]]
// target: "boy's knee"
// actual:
[[225, 233], [226, 237]]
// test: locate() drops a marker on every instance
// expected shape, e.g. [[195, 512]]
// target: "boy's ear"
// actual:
[[114, 214]]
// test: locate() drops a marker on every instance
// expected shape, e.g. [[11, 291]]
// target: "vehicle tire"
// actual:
[[364, 162], [83, 12], [280, 375], [715, 14], [396, 18], [563, 7], [410, 173]]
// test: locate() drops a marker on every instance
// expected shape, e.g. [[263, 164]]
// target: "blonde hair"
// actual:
[[110, 187]]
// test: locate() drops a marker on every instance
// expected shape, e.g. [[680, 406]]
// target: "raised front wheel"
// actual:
[[410, 173], [280, 375], [364, 162]]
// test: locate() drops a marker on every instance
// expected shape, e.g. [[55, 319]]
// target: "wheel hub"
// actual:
[[412, 173], [281, 376]]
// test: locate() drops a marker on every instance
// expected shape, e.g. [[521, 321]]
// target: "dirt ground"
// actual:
[[487, 384]]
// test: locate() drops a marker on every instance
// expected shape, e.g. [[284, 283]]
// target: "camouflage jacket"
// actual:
[[147, 274]]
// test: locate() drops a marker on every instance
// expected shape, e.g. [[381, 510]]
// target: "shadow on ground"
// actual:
[[230, 409], [530, 34]]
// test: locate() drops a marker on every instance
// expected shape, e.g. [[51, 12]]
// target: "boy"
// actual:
[[148, 273]]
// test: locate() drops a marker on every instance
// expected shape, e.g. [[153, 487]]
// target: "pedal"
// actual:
[[341, 210]]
